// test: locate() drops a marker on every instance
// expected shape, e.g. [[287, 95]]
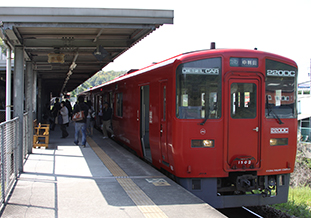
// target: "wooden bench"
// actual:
[[41, 135]]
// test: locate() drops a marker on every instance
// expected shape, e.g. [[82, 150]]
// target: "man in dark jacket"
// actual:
[[80, 125], [69, 107], [106, 119], [54, 112]]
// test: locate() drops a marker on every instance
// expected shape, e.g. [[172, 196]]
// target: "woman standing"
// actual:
[[64, 113]]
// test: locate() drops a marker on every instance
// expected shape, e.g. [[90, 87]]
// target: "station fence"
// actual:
[[9, 155], [304, 133], [304, 138]]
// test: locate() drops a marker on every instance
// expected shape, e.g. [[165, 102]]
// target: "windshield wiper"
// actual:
[[204, 121], [275, 116]]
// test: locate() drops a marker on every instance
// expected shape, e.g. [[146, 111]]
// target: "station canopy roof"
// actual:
[[69, 45]]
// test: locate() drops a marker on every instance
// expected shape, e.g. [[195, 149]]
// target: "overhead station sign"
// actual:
[[56, 58]]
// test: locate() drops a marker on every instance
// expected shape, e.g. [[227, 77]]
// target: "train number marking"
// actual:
[[279, 130], [244, 162], [283, 73]]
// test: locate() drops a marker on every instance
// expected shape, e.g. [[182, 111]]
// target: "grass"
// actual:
[[299, 203]]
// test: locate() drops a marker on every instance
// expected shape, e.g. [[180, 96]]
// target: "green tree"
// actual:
[[98, 79], [2, 46]]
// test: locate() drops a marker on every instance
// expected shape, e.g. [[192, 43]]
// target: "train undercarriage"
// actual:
[[239, 189]]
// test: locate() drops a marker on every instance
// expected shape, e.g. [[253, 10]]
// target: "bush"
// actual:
[[302, 174], [299, 203]]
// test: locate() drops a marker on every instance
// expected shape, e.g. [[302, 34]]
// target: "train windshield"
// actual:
[[198, 89], [281, 83]]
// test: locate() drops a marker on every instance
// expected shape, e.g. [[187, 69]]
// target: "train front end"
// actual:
[[235, 130]]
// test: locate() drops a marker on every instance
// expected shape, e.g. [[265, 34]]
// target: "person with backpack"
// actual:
[[80, 112]]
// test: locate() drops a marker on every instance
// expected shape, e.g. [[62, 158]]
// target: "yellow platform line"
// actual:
[[143, 202]]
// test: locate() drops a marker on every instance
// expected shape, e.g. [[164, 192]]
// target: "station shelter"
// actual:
[[51, 51]]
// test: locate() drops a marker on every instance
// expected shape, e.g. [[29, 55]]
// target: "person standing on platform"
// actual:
[[64, 113], [99, 118], [54, 112], [69, 107], [106, 120], [90, 119], [81, 124]]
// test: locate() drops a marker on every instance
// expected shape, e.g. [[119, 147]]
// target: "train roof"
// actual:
[[237, 52], [195, 54]]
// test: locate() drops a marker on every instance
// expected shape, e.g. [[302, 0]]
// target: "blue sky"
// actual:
[[276, 26]]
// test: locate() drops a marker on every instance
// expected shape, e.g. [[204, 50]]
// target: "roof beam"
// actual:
[[86, 15], [73, 43], [82, 26], [74, 36]]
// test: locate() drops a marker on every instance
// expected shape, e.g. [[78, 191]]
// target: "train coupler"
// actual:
[[246, 183]]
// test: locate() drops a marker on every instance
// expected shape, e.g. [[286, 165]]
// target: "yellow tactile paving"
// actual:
[[143, 202]]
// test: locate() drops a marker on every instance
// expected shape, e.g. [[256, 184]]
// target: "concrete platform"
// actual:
[[101, 180]]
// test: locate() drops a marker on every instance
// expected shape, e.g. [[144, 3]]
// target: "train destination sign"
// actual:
[[243, 62], [206, 71]]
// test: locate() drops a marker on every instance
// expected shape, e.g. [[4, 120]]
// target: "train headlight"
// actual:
[[278, 141], [206, 143], [272, 142]]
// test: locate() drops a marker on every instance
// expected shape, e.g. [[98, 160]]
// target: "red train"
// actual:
[[222, 122]]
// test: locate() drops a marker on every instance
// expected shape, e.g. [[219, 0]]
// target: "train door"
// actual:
[[144, 121], [163, 123], [243, 123]]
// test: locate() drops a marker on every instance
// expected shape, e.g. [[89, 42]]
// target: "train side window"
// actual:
[[119, 106]]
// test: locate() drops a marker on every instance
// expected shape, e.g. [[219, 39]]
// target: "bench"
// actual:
[[41, 135]]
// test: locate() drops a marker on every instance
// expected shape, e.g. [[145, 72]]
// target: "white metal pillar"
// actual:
[[18, 102], [8, 92], [29, 109]]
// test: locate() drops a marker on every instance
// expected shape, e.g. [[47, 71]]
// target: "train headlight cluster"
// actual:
[[278, 141], [206, 143]]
